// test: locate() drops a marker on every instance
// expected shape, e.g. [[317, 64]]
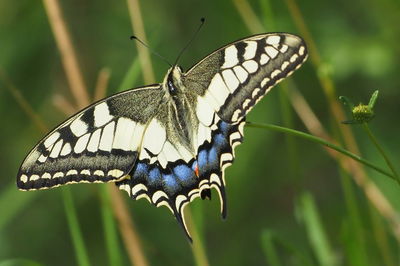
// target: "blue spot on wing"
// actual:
[[170, 184], [209, 153], [213, 155], [202, 158], [224, 127], [220, 140], [179, 177], [183, 172], [141, 171], [154, 175]]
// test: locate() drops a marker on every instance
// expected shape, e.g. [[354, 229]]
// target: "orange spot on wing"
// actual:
[[196, 170]]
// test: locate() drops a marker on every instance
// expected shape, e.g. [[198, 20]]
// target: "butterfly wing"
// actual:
[[167, 153], [235, 77], [98, 144], [221, 89], [172, 176]]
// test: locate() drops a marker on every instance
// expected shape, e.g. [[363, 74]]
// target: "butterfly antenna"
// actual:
[[133, 37], [202, 20]]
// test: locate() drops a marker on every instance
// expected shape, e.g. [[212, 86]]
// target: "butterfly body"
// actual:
[[167, 142]]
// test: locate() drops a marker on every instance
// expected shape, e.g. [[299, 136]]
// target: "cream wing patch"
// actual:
[[124, 133], [154, 137]]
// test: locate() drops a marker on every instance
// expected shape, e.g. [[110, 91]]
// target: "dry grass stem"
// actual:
[[129, 235], [248, 16], [315, 127], [148, 75], [125, 223], [63, 105], [22, 102], [100, 90], [138, 30], [81, 95], [68, 55], [372, 192], [197, 246], [305, 113]]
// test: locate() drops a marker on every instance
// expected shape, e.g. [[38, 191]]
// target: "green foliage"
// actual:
[[274, 180]]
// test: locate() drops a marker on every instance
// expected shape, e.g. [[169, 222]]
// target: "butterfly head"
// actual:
[[173, 81]]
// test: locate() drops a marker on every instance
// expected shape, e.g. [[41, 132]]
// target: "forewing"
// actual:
[[98, 144], [235, 77]]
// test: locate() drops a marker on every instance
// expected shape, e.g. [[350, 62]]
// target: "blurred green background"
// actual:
[[289, 201]]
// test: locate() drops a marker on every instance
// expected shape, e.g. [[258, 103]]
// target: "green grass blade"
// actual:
[[267, 242], [271, 241], [267, 15], [354, 242], [110, 228], [323, 142], [76, 235], [381, 238], [308, 212], [19, 262]]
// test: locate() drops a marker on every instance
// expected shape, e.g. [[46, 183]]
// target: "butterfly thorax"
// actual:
[[180, 108]]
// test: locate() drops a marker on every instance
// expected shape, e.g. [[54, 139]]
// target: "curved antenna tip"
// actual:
[[203, 19], [133, 37]]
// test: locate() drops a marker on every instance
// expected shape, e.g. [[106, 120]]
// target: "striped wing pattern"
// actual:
[[99, 144], [180, 181], [234, 78], [169, 143]]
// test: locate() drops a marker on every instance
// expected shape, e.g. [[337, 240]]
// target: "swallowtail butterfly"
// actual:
[[170, 142]]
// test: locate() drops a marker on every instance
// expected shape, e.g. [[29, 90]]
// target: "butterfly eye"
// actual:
[[171, 87]]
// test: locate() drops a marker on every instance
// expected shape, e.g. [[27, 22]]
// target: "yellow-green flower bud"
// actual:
[[362, 113]]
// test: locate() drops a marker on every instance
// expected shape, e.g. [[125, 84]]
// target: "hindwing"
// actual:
[[169, 143]]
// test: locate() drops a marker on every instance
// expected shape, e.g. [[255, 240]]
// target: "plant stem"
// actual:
[[76, 234], [380, 149], [323, 142], [110, 228], [199, 252]]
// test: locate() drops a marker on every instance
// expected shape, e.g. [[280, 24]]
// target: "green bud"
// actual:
[[362, 113]]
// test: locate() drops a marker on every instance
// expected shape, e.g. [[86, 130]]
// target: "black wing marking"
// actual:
[[179, 182], [98, 144], [235, 77]]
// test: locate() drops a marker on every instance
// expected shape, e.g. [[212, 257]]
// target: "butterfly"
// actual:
[[170, 142]]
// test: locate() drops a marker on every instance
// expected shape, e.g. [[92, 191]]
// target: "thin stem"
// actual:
[[293, 155], [22, 102], [76, 234], [100, 91], [380, 149], [68, 54], [148, 75], [355, 220], [323, 142], [127, 228], [63, 105], [381, 237], [138, 30], [303, 110], [269, 247], [373, 193], [199, 253], [248, 15], [110, 228]]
